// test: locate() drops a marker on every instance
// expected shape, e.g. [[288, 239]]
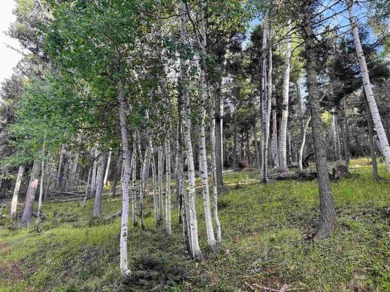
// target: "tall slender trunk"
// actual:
[[125, 271], [286, 92], [154, 185], [107, 168], [30, 196], [160, 172], [202, 137], [215, 183], [371, 144], [328, 217], [234, 152], [274, 140], [303, 144], [384, 142], [117, 169], [144, 178], [87, 188], [94, 172], [193, 222], [168, 215], [41, 185], [134, 182], [99, 185], [264, 108], [345, 131], [258, 161], [335, 132], [218, 135], [61, 160], [14, 202]]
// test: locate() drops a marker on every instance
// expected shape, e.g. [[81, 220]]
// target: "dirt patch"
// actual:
[[11, 272]]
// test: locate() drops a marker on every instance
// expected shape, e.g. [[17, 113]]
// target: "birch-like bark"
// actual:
[[274, 140], [335, 132], [107, 168], [202, 138], [125, 271], [168, 215], [99, 186], [73, 170], [134, 182], [30, 196], [286, 92], [218, 135], [384, 142], [258, 161], [154, 185], [160, 172], [193, 222], [264, 108], [144, 178], [14, 202], [215, 185]]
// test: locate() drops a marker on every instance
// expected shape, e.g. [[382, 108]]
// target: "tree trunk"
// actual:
[[202, 138], [215, 184], [61, 160], [30, 196], [274, 140], [94, 172], [264, 108], [371, 140], [303, 144], [258, 161], [234, 152], [345, 133], [41, 186], [168, 215], [218, 136], [328, 218], [117, 169], [99, 186], [193, 222], [368, 88], [125, 185], [160, 172], [107, 168], [286, 92], [134, 182], [14, 202]]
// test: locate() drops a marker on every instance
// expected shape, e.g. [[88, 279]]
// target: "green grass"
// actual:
[[265, 231]]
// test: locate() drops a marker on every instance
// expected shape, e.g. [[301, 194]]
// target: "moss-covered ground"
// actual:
[[266, 243]]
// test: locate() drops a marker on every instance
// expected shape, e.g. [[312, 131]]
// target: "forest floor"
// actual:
[[266, 243]]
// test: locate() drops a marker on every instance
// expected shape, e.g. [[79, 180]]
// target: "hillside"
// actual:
[[266, 243]]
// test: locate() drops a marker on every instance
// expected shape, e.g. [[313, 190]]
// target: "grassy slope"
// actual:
[[264, 231]]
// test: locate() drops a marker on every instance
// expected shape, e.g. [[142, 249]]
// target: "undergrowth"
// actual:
[[266, 243]]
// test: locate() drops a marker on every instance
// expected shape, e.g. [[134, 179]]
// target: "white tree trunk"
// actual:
[[168, 215], [134, 182], [160, 171], [193, 222], [215, 184], [264, 109], [303, 144], [384, 143], [14, 202], [154, 185], [87, 188], [107, 168], [286, 92], [202, 138], [125, 271]]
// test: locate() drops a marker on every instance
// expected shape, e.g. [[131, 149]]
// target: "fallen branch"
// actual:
[[114, 216], [68, 193]]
